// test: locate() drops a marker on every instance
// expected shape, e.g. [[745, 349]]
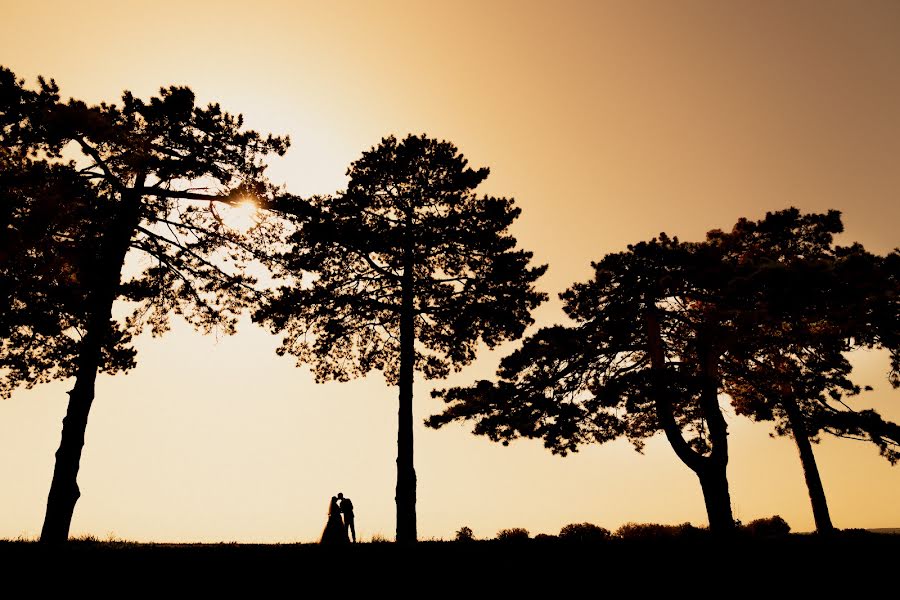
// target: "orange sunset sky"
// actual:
[[607, 121]]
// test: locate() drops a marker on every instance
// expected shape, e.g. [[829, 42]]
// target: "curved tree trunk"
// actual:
[[810, 469], [406, 474], [714, 474], [710, 470], [64, 492]]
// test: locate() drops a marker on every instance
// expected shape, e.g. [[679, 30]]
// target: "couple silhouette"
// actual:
[[340, 520]]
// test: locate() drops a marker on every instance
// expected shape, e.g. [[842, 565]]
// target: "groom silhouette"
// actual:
[[347, 512]]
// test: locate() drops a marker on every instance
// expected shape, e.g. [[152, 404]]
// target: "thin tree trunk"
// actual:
[[64, 492], [406, 473], [810, 469]]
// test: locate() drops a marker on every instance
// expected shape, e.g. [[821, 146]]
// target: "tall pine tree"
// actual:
[[410, 270]]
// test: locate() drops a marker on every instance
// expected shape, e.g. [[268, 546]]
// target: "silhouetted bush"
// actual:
[[856, 533], [772, 527], [515, 534], [544, 537], [584, 532], [656, 531], [465, 534]]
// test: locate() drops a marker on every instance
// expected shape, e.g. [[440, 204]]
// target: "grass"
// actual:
[[854, 559]]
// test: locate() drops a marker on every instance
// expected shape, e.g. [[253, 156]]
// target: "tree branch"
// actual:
[[185, 195], [92, 152]]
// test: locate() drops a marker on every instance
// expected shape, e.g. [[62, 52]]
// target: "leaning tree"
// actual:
[[405, 271], [812, 302], [146, 178], [651, 330]]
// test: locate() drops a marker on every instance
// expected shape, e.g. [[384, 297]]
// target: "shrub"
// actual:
[[772, 527], [584, 532], [543, 537], [864, 533], [465, 534], [515, 534], [655, 531]]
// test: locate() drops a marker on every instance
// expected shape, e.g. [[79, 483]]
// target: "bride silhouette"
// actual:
[[335, 533]]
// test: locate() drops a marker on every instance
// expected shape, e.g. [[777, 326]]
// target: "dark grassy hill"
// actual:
[[851, 561]]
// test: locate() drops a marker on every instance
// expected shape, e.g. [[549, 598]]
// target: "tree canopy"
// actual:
[[56, 210], [408, 202], [814, 302]]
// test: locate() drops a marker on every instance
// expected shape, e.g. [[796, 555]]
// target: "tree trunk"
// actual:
[[714, 473], [711, 470], [64, 492], [810, 469], [406, 473], [714, 482]]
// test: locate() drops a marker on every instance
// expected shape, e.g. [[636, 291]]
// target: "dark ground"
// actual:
[[851, 562]]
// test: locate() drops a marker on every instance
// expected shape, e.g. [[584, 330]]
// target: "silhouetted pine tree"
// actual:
[[812, 302], [643, 356], [410, 270], [146, 179]]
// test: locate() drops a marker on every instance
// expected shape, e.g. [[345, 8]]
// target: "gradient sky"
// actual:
[[607, 121]]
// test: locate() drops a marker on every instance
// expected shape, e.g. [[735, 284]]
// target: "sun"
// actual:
[[240, 216]]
